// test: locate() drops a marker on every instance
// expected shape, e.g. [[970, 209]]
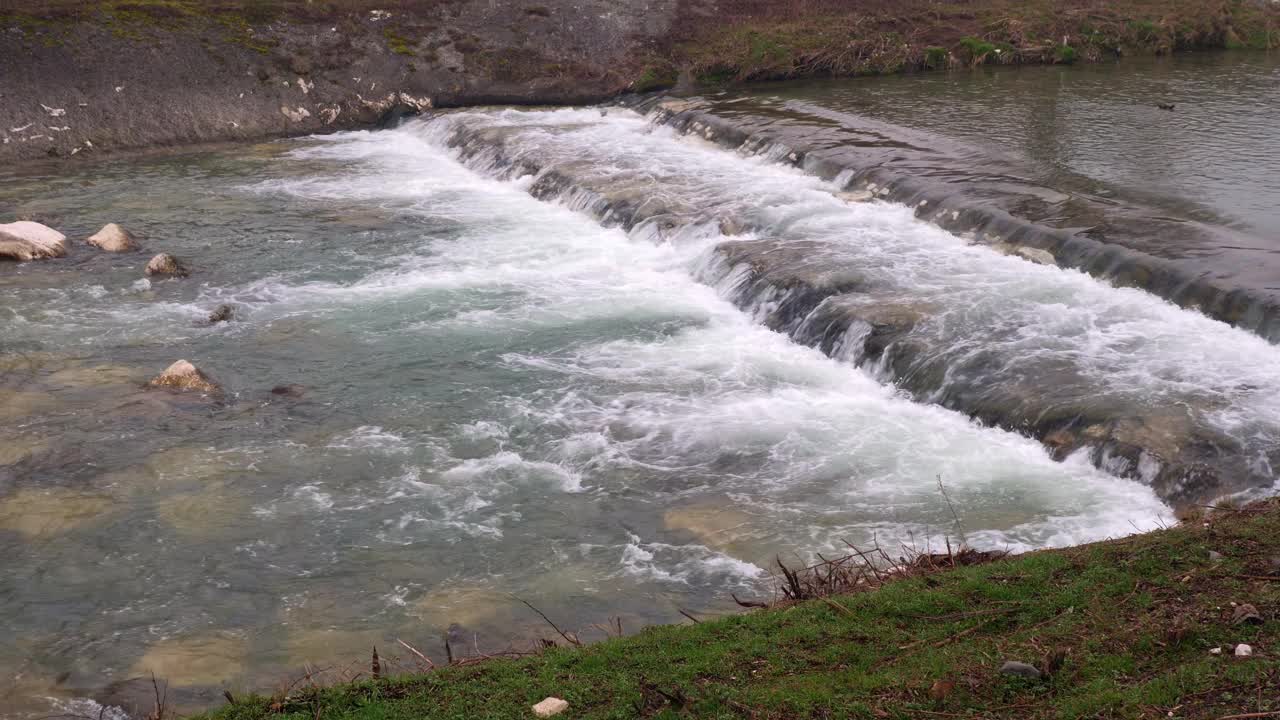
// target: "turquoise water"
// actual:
[[498, 395]]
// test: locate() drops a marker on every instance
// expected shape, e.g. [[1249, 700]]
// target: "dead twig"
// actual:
[[159, 713], [414, 650], [571, 640], [964, 542], [689, 615], [837, 606]]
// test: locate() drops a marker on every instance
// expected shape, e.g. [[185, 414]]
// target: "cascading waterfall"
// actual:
[[568, 354], [1086, 367]]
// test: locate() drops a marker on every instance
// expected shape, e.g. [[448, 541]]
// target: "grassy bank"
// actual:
[[1129, 625], [770, 39]]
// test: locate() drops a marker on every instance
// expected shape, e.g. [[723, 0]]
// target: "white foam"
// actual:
[[370, 438], [1121, 346]]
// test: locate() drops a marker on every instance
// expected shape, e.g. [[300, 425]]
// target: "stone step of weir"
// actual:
[[990, 214], [795, 291], [796, 288]]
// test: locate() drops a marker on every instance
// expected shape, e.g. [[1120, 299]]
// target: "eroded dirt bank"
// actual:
[[81, 78]]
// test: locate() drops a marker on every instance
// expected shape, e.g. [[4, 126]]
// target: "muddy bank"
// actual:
[[83, 78]]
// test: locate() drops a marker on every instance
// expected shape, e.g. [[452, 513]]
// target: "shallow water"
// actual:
[[502, 395]]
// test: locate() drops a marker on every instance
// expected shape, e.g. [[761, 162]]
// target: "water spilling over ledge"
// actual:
[[1126, 245], [579, 355], [1084, 366]]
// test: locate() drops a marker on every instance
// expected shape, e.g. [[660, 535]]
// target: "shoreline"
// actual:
[[91, 78], [1144, 626]]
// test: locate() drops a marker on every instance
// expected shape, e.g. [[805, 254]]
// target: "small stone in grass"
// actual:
[[1215, 651], [1021, 669], [549, 707], [1214, 556], [1246, 613], [1243, 650]]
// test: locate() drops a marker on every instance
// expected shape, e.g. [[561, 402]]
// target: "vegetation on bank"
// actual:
[[1144, 627], [746, 40], [773, 40]]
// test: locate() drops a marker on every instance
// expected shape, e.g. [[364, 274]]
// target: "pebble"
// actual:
[[1245, 613], [1214, 556], [549, 707], [1215, 651], [1243, 650]]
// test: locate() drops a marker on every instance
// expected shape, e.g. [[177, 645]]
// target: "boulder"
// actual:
[[291, 390], [112, 238], [549, 707], [25, 240], [182, 375], [166, 264], [222, 313]]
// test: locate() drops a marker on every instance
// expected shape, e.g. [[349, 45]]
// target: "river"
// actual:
[[575, 356]]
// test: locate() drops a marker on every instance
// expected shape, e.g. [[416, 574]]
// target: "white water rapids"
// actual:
[[507, 394]]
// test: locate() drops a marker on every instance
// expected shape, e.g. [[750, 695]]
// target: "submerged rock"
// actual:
[[41, 513], [20, 404], [182, 375], [715, 525], [166, 264], [203, 659], [216, 510], [291, 390], [222, 313], [112, 238], [25, 240]]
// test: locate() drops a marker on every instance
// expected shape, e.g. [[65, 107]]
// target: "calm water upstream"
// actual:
[[1097, 127], [500, 395]]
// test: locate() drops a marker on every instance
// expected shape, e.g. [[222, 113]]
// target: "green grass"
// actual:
[[1136, 618]]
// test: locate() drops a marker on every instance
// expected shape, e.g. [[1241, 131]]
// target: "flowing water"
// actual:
[[504, 387], [1096, 127]]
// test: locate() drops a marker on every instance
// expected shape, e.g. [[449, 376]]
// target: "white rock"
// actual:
[[1215, 651], [854, 196], [25, 240], [550, 706], [1042, 257], [112, 238], [296, 115], [182, 375], [1243, 650], [166, 264]]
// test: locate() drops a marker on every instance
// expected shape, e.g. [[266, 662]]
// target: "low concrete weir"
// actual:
[[966, 347], [1129, 246]]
